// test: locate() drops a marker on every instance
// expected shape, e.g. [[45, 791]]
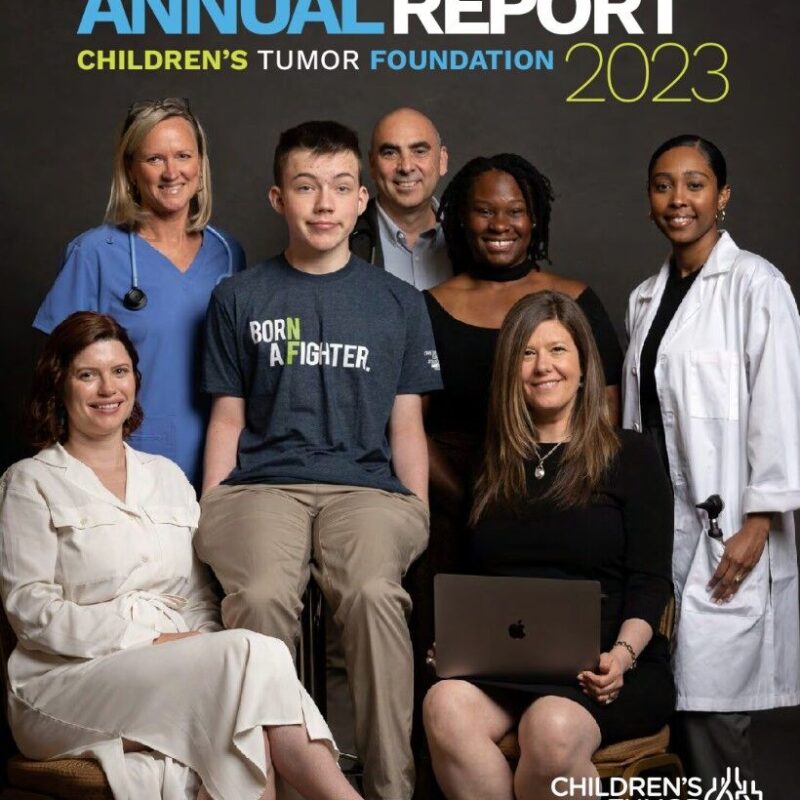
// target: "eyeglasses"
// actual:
[[180, 105]]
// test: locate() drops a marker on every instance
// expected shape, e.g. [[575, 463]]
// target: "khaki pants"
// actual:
[[262, 541]]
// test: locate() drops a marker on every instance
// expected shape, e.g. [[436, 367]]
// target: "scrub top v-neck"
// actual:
[[167, 331]]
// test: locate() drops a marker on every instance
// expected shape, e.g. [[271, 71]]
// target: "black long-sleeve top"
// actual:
[[623, 538]]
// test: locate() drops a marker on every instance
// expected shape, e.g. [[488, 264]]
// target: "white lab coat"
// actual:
[[89, 581], [728, 381]]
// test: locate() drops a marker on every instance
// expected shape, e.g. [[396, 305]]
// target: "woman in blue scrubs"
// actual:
[[153, 266]]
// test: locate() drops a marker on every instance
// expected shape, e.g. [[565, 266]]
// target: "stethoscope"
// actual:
[[135, 299], [366, 234]]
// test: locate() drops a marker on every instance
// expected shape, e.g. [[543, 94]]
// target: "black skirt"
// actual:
[[644, 705]]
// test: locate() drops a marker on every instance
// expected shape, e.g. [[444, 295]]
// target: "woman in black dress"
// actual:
[[561, 495], [496, 219]]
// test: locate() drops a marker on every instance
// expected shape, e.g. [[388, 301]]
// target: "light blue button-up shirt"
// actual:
[[425, 264]]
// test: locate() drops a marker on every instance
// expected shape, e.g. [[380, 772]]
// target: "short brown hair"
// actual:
[[321, 137], [45, 417]]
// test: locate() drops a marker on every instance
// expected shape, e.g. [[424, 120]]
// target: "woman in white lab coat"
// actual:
[[119, 644], [713, 373]]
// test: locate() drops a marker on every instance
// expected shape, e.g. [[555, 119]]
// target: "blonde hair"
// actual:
[[123, 206], [511, 434]]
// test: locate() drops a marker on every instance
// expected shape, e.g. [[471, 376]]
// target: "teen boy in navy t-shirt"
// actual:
[[316, 448]]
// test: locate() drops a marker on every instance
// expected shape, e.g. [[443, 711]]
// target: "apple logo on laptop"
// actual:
[[517, 630]]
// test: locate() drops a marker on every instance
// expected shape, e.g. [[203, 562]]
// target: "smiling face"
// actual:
[[165, 168], [551, 375], [320, 199], [498, 224], [685, 199], [99, 391], [406, 160]]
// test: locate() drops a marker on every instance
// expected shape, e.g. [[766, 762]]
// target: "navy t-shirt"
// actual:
[[319, 360]]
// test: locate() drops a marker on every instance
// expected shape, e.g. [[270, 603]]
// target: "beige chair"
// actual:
[[631, 757], [63, 779]]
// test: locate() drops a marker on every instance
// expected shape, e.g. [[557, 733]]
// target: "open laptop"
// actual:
[[527, 630]]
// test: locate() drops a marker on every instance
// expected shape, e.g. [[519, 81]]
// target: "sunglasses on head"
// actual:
[[179, 105]]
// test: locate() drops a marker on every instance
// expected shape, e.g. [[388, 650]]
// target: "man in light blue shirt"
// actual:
[[398, 231]]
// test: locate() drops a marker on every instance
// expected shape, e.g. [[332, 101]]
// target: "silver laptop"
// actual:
[[531, 630]]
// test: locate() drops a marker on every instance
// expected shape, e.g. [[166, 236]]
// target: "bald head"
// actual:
[[404, 119], [407, 159]]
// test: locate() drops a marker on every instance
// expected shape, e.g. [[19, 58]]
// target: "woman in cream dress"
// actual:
[[120, 656]]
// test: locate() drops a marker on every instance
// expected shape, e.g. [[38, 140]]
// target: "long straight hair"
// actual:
[[512, 437]]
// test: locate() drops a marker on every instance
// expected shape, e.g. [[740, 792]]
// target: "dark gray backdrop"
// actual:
[[58, 126]]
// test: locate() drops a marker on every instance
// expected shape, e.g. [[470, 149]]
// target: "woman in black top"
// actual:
[[561, 495], [495, 216]]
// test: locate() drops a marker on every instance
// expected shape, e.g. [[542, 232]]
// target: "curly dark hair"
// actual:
[[534, 186], [45, 418]]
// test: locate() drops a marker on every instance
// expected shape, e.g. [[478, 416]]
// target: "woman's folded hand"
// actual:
[[604, 684]]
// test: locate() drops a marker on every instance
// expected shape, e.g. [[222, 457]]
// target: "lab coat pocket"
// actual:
[[750, 599], [94, 543], [713, 384], [174, 527]]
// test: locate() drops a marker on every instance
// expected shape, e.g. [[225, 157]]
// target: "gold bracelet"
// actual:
[[631, 652]]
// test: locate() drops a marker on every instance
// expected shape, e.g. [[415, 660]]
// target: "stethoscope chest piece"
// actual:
[[135, 299]]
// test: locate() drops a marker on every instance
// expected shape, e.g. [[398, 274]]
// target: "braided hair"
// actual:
[[534, 186]]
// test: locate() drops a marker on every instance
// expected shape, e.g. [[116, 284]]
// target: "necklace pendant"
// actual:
[[538, 473]]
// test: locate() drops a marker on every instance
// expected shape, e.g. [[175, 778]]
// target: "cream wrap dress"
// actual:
[[88, 583]]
